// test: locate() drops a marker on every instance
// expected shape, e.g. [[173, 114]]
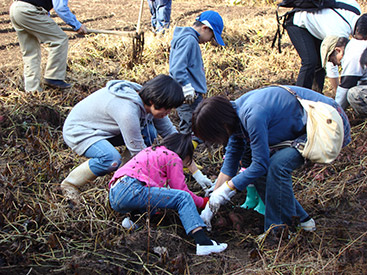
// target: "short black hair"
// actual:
[[198, 23], [215, 120], [342, 42], [361, 26], [162, 92], [179, 143]]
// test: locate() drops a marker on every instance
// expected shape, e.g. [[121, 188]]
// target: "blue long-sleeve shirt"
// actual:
[[268, 116], [62, 9]]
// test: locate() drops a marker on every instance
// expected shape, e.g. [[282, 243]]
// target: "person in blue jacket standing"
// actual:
[[260, 119], [33, 25], [186, 65]]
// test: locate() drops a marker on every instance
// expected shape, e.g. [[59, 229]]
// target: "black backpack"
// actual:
[[309, 6]]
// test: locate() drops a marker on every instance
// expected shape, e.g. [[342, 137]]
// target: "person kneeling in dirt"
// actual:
[[154, 179], [260, 119], [349, 55], [122, 113]]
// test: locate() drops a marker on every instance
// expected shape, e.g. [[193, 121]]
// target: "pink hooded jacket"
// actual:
[[158, 167]]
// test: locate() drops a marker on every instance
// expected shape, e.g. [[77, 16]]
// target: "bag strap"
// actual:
[[343, 18], [279, 33], [288, 89], [344, 6], [280, 24], [299, 145]]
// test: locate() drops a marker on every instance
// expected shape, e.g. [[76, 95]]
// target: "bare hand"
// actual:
[[82, 30]]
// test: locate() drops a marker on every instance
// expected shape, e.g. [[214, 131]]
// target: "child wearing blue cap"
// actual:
[[187, 68]]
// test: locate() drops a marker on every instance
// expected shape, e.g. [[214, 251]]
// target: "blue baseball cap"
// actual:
[[214, 21]]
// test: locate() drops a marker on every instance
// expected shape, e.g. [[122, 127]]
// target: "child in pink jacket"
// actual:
[[154, 179]]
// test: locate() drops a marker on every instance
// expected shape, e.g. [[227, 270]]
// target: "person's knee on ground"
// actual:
[[357, 98]]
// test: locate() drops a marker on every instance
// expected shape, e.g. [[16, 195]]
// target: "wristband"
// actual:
[[233, 189], [206, 199]]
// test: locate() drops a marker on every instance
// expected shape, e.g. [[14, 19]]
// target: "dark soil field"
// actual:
[[41, 233]]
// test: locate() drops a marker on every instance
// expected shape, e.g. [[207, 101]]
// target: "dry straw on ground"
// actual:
[[41, 233]]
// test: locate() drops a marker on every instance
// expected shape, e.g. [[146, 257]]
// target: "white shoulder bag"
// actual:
[[325, 131]]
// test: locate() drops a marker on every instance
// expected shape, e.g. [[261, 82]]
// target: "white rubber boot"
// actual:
[[76, 179]]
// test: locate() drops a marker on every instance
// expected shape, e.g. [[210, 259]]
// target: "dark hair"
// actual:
[[363, 59], [360, 27], [179, 143], [215, 120], [198, 24], [163, 92], [342, 42]]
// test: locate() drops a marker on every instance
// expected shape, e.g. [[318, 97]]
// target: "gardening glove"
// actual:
[[209, 191], [207, 215], [220, 196], [202, 179], [189, 93]]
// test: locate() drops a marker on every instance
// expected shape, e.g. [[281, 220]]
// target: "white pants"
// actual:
[[34, 26]]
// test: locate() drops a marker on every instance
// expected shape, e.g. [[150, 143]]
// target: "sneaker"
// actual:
[[58, 84], [129, 224], [309, 225], [208, 249]]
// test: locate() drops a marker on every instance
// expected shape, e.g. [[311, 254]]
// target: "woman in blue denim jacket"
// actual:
[[260, 119]]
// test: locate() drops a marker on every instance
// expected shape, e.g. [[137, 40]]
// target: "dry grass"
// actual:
[[40, 232]]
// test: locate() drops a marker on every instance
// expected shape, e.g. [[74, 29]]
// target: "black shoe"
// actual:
[[58, 84]]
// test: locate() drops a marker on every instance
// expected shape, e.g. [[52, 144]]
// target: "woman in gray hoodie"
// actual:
[[122, 113]]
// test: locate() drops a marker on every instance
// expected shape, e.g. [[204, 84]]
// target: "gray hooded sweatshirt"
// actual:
[[111, 111], [185, 61]]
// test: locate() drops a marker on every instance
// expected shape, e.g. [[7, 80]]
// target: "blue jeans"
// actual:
[[308, 48], [276, 189], [104, 158], [130, 194], [161, 14]]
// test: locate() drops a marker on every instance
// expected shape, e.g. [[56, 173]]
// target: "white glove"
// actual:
[[209, 191], [202, 179], [220, 196], [207, 215], [189, 93]]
